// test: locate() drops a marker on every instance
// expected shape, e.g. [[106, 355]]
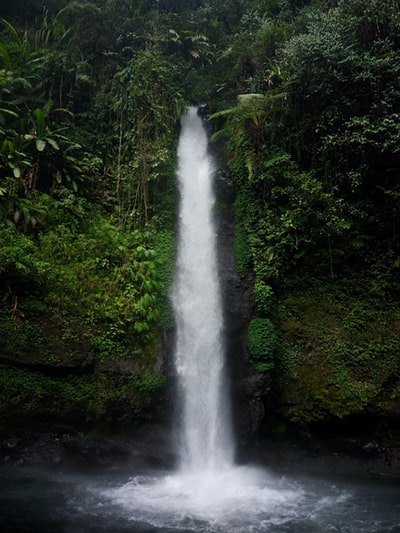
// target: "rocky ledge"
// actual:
[[152, 447]]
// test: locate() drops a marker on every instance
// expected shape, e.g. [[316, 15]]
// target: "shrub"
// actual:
[[264, 296], [261, 343], [164, 245]]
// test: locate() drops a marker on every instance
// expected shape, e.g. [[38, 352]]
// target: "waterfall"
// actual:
[[206, 442], [208, 492]]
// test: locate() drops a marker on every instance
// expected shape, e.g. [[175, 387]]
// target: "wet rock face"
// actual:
[[248, 388], [34, 448], [151, 447], [249, 408], [391, 460]]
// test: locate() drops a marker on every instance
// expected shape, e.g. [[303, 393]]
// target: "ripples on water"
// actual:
[[241, 500]]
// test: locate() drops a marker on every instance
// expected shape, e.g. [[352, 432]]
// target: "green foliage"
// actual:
[[106, 277], [90, 97], [262, 342], [84, 270], [15, 252], [149, 105], [264, 296], [357, 319], [148, 384], [347, 86], [339, 351], [87, 401], [246, 125], [19, 339], [306, 96], [164, 244], [288, 217], [312, 126], [241, 250]]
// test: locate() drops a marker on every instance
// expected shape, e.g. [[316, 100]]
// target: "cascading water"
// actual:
[[208, 488], [208, 493], [199, 358]]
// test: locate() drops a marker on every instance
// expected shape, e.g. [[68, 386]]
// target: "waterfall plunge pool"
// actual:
[[241, 499], [208, 492]]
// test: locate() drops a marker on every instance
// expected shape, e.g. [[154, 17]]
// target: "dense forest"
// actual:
[[304, 98]]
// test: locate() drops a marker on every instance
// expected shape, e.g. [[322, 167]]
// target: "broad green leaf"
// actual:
[[8, 112], [40, 145], [53, 143]]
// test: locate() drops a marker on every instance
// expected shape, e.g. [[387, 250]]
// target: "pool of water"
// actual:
[[242, 499]]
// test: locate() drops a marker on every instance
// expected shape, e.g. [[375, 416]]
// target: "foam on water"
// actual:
[[241, 499], [238, 497]]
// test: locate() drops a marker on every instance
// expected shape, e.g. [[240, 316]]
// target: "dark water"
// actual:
[[244, 499]]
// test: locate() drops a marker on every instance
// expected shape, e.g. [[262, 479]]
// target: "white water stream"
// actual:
[[206, 443]]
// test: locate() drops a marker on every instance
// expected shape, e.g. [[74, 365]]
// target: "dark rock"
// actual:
[[370, 448], [257, 385], [95, 452], [120, 366], [247, 386], [153, 446], [32, 448]]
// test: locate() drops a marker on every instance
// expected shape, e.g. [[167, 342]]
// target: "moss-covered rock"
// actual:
[[81, 303], [261, 343], [339, 354], [85, 401]]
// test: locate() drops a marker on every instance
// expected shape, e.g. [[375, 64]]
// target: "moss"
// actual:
[[241, 250], [261, 343], [164, 243], [388, 400], [82, 400], [338, 356]]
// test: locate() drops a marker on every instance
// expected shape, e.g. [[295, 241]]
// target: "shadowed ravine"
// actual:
[[207, 492]]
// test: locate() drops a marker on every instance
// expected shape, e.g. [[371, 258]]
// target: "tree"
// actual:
[[149, 105], [344, 97]]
